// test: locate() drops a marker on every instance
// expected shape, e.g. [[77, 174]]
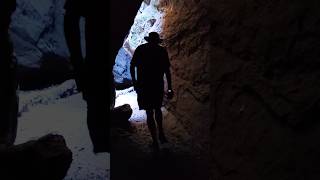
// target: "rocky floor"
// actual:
[[132, 158]]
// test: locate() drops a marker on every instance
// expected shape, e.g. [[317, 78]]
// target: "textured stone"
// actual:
[[36, 30], [45, 158], [186, 32], [245, 75], [121, 69]]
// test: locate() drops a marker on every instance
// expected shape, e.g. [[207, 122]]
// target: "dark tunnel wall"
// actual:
[[265, 89], [122, 20], [246, 76]]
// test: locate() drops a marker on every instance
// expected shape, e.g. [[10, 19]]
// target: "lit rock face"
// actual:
[[121, 69], [37, 29], [246, 78], [149, 18], [186, 32]]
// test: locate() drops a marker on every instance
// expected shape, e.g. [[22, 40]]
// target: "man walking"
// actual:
[[152, 62]]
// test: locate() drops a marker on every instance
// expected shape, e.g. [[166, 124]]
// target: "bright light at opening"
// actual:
[[129, 96], [149, 19]]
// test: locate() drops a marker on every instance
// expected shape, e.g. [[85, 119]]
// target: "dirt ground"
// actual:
[[132, 158]]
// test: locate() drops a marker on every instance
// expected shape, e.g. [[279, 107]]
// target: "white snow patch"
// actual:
[[67, 117], [129, 96], [45, 96]]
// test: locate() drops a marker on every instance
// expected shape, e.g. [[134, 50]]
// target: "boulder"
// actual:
[[120, 116], [45, 158]]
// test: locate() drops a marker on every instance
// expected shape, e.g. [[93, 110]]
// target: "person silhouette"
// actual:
[[8, 96], [152, 63], [92, 72]]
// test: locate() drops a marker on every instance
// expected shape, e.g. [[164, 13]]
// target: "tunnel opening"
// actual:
[[179, 157], [149, 18]]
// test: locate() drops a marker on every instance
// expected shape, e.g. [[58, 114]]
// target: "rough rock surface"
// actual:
[[186, 33], [45, 158], [120, 116], [265, 89], [246, 81], [37, 29], [121, 69], [39, 44]]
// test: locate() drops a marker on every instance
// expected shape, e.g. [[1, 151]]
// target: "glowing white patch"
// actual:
[[129, 96]]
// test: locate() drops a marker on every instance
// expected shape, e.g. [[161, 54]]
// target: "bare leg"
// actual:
[[152, 128], [159, 119]]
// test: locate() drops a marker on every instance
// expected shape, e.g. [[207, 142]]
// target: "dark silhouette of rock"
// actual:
[[120, 23], [120, 116], [9, 101], [124, 84], [53, 70], [46, 158], [118, 28], [93, 73]]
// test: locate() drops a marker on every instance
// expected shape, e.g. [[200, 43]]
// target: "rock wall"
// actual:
[[265, 89], [246, 81], [37, 30], [186, 32], [40, 48], [45, 158]]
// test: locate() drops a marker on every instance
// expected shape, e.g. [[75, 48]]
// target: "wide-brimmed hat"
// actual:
[[153, 37]]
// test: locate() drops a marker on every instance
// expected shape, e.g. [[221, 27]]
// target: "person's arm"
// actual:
[[168, 76]]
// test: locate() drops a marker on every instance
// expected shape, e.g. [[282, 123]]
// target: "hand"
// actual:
[[170, 94]]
